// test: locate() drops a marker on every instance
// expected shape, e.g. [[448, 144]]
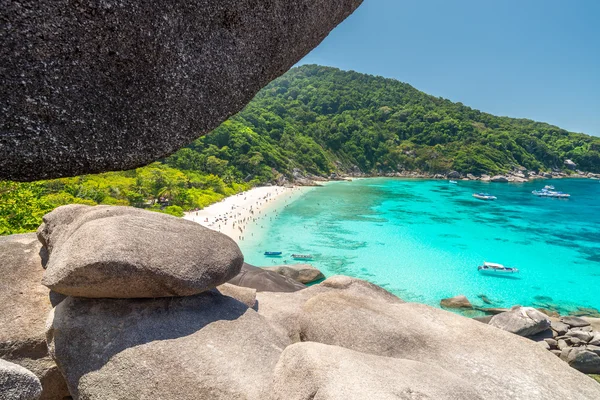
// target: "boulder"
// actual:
[[206, 346], [303, 273], [454, 175], [471, 177], [24, 307], [574, 321], [471, 350], [559, 327], [499, 178], [243, 294], [485, 178], [523, 321], [118, 84], [18, 383], [581, 335], [125, 252], [494, 310], [264, 281], [595, 341], [460, 301], [309, 371], [584, 360]]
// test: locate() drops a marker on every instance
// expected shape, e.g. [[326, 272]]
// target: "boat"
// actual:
[[273, 253], [550, 193], [484, 196], [302, 256], [549, 187], [489, 268], [453, 182]]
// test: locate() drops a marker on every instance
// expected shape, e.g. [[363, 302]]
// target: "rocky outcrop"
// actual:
[[499, 178], [523, 321], [17, 383], [116, 85], [195, 347], [303, 273], [336, 373], [574, 322], [242, 294], [264, 281], [24, 307], [124, 252], [460, 301]]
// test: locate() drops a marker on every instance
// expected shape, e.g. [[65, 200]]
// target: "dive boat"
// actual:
[[453, 182], [272, 253], [550, 193], [549, 187], [484, 196], [489, 268], [302, 256]]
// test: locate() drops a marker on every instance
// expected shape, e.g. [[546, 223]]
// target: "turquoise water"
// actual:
[[423, 240]]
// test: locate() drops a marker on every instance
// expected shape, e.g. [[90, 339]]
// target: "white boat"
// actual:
[[550, 193], [302, 256], [549, 187], [453, 182], [484, 196], [489, 268]]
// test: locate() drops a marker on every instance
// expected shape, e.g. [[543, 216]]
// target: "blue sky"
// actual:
[[537, 59]]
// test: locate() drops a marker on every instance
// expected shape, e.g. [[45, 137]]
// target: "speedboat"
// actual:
[[550, 193], [489, 268], [272, 253], [549, 187], [484, 196], [302, 256], [453, 182]]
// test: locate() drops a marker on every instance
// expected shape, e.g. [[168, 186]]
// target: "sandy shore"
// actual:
[[233, 214]]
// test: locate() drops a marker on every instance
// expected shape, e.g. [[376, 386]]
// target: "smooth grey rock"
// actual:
[[544, 344], [243, 294], [584, 361], [593, 349], [115, 85], [574, 321], [523, 321], [562, 344], [24, 307], [595, 339], [206, 346], [454, 175], [583, 328], [552, 343], [581, 335], [460, 301], [264, 281], [473, 351], [18, 383], [556, 352], [559, 327], [303, 273], [485, 319], [499, 178], [308, 371], [125, 252]]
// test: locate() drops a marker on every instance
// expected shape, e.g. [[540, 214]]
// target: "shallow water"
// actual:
[[423, 240]]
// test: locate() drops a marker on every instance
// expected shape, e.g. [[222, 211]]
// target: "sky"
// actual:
[[536, 59]]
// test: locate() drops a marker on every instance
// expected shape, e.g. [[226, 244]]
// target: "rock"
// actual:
[[485, 178], [471, 177], [125, 252], [454, 175], [494, 310], [303, 273], [544, 345], [283, 310], [562, 344], [195, 347], [583, 328], [541, 336], [18, 383], [116, 85], [584, 361], [523, 321], [570, 164], [473, 351], [581, 335], [575, 341], [574, 321], [485, 299], [243, 294], [550, 313], [595, 339], [564, 353], [24, 307], [594, 323], [499, 178], [552, 343], [593, 349], [486, 319], [459, 301], [559, 327], [336, 373], [264, 281], [547, 175], [556, 352]]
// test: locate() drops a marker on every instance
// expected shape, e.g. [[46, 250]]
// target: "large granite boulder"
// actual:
[[583, 359], [309, 371], [124, 252], [113, 85], [460, 301], [505, 366], [574, 322], [242, 294], [17, 383], [207, 346], [24, 307], [303, 273], [523, 321], [264, 281]]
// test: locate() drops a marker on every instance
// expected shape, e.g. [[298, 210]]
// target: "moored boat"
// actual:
[[484, 196], [302, 256], [273, 253], [489, 268], [550, 193], [453, 182], [549, 187]]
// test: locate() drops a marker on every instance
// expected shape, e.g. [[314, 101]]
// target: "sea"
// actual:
[[424, 239]]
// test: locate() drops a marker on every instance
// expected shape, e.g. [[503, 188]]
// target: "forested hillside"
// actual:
[[317, 120]]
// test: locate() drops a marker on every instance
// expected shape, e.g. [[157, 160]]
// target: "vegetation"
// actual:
[[316, 120]]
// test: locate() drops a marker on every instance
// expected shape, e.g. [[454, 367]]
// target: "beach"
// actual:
[[232, 215]]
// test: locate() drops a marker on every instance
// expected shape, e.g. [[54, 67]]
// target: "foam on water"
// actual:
[[423, 240]]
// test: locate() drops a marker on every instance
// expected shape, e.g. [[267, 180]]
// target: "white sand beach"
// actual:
[[231, 215]]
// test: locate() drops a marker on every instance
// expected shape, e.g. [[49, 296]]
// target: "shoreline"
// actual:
[[234, 214]]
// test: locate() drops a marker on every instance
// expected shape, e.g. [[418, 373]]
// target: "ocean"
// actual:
[[423, 239]]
